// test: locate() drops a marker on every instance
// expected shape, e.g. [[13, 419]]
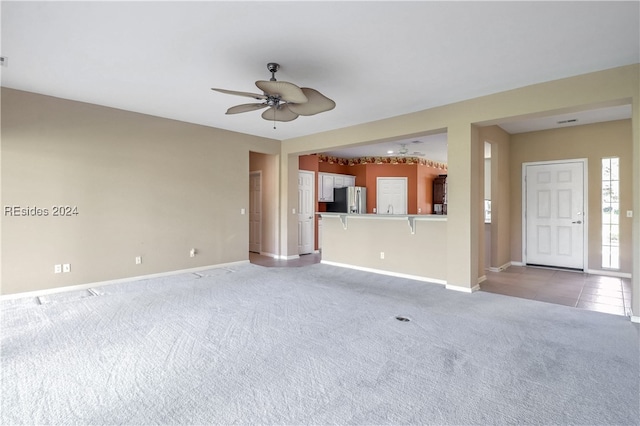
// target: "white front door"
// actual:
[[554, 214], [305, 212], [391, 195], [255, 212]]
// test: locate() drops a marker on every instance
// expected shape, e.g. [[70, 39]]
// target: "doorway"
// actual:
[[306, 197], [554, 219], [391, 195], [255, 212]]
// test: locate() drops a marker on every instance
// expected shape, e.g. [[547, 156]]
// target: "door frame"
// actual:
[[585, 200], [259, 174], [313, 208]]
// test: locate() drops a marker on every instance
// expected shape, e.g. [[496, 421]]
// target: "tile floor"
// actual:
[[591, 292]]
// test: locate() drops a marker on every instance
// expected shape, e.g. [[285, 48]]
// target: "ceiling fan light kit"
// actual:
[[404, 151], [285, 100]]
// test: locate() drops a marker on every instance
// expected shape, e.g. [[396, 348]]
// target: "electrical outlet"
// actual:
[[381, 255], [66, 267], [57, 269], [192, 253], [242, 211], [138, 260]]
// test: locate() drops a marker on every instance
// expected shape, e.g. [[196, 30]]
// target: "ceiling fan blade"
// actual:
[[317, 103], [280, 113], [245, 108], [247, 94], [288, 92]]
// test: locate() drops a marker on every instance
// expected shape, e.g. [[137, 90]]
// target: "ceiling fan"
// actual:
[[285, 101], [404, 151]]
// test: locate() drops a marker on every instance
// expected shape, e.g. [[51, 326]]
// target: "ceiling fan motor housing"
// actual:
[[273, 69]]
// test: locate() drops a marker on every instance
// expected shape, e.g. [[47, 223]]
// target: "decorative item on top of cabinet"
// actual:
[[440, 195], [328, 181]]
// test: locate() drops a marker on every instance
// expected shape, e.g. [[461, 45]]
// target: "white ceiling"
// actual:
[[375, 59], [434, 147]]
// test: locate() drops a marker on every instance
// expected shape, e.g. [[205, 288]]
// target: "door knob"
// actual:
[[577, 221]]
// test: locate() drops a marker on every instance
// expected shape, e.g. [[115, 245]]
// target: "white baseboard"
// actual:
[[37, 293], [516, 263], [500, 268], [284, 257], [463, 289], [482, 279], [383, 272], [273, 255], [608, 273], [635, 319]]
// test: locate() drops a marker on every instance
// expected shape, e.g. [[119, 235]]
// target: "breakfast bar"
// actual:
[[411, 246]]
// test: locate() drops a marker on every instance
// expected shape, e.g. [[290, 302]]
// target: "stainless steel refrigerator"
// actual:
[[350, 199]]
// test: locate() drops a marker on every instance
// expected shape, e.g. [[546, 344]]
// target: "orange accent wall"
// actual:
[[334, 168], [426, 175], [308, 162], [360, 172]]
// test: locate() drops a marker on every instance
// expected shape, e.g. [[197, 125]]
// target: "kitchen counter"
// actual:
[[410, 218], [382, 216]]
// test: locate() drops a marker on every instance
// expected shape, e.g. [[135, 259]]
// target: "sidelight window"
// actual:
[[611, 213]]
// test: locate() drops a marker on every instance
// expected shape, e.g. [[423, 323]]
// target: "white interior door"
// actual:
[[554, 214], [391, 195], [255, 212], [306, 212]]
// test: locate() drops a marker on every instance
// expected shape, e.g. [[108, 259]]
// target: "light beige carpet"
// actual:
[[312, 345]]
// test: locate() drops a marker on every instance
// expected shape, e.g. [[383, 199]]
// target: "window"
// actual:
[[611, 213]]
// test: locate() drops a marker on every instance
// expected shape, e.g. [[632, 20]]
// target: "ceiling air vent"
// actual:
[[572, 120]]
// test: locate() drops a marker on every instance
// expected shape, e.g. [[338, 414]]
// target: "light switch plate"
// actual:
[[629, 213]]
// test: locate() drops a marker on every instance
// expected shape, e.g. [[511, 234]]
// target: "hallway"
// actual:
[[584, 291]]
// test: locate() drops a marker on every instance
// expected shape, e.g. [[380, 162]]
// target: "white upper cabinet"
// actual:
[[325, 187], [328, 181]]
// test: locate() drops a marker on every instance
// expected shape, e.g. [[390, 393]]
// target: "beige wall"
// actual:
[[58, 151], [268, 165], [143, 186], [500, 195], [593, 142], [617, 86]]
